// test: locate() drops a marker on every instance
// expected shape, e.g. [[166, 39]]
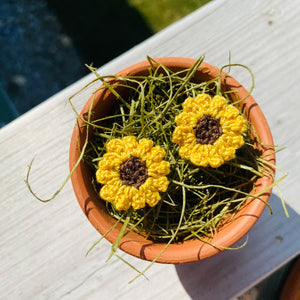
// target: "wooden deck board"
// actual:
[[43, 246]]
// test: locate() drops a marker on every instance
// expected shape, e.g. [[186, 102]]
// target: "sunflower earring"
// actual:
[[132, 173], [208, 131]]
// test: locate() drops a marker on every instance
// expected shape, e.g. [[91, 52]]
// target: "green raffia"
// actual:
[[115, 245], [70, 174], [170, 240], [198, 200]]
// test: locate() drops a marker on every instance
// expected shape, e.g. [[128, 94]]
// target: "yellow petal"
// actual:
[[216, 106], [110, 161], [229, 112], [183, 135], [235, 141], [196, 106], [229, 142], [199, 155], [130, 143], [186, 150], [218, 103], [233, 126], [143, 148], [157, 169], [115, 145], [152, 198], [216, 161], [109, 191], [189, 105], [203, 102], [122, 203], [104, 176], [188, 119], [160, 184], [123, 198], [149, 196], [139, 200], [155, 155], [228, 153]]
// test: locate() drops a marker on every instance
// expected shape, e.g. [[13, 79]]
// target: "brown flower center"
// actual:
[[208, 130], [133, 172]]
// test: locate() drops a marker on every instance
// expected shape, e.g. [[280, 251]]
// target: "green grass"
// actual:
[[159, 14]]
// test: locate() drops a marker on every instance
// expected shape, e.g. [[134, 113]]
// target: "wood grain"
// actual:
[[43, 246]]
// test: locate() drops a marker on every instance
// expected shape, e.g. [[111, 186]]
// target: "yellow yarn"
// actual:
[[124, 196], [223, 149]]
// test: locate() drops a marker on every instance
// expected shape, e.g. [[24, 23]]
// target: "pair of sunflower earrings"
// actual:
[[133, 173]]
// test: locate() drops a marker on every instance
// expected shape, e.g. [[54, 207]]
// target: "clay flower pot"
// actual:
[[291, 288], [135, 244]]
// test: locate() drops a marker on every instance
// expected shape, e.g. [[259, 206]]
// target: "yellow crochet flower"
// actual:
[[132, 173], [208, 131]]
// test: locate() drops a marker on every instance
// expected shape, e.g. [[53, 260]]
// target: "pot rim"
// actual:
[[191, 250]]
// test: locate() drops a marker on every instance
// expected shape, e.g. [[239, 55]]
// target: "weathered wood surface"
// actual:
[[43, 246]]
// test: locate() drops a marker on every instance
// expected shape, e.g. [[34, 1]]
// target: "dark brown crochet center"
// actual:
[[133, 172], [208, 130]]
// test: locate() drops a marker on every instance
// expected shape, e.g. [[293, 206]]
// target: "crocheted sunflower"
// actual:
[[132, 173], [209, 130]]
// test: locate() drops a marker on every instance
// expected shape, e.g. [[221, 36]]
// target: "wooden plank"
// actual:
[[43, 246]]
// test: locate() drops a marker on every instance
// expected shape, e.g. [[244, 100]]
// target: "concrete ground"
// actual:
[[45, 44], [37, 56]]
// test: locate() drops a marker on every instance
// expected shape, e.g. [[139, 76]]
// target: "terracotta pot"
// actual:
[[135, 244], [291, 288]]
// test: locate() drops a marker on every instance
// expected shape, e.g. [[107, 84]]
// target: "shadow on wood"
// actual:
[[265, 235]]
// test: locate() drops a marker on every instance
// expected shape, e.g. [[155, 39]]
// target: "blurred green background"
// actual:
[[159, 14]]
